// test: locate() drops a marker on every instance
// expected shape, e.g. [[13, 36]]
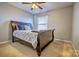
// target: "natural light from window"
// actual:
[[42, 22]]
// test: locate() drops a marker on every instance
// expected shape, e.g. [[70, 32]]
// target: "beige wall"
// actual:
[[7, 13], [61, 20], [76, 26]]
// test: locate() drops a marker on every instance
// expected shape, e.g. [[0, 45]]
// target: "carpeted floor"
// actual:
[[55, 49]]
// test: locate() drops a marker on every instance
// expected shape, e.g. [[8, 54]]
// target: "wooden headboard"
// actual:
[[14, 24]]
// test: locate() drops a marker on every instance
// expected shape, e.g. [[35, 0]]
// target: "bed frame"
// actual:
[[38, 49]]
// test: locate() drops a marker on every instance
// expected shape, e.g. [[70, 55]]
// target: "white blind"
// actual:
[[42, 22]]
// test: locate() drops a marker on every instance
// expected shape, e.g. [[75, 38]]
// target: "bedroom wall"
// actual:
[[75, 31], [7, 13], [61, 20]]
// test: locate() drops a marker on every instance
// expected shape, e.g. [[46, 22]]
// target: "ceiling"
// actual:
[[46, 6]]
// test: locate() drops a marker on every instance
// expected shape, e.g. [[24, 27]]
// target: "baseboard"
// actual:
[[64, 40], [4, 42]]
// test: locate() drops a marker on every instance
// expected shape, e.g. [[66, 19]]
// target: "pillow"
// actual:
[[27, 28], [15, 27], [21, 27]]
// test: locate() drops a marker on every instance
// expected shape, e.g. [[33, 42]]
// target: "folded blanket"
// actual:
[[27, 36]]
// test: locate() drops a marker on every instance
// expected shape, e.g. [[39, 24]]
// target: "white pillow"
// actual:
[[27, 28]]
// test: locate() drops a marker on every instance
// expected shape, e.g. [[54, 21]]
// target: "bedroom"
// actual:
[[61, 16]]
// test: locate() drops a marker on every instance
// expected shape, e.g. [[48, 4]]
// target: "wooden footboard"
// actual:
[[39, 49]]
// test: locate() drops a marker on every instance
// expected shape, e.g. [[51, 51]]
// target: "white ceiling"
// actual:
[[46, 6]]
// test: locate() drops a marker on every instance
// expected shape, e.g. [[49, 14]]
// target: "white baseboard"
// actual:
[[4, 42], [64, 40]]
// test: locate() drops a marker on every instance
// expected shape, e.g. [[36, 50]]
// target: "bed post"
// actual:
[[13, 27], [38, 49], [53, 34], [13, 39]]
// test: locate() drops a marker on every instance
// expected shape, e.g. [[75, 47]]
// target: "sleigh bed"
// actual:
[[44, 37]]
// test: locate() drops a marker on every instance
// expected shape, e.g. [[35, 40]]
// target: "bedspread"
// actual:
[[27, 36]]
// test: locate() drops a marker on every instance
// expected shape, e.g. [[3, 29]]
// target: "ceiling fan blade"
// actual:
[[26, 3], [41, 2], [39, 6]]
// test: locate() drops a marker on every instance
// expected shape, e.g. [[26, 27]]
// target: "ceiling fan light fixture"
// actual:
[[34, 6]]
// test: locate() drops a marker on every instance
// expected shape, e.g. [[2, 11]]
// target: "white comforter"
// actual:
[[27, 36]]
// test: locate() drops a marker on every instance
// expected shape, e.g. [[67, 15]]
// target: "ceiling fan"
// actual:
[[34, 4]]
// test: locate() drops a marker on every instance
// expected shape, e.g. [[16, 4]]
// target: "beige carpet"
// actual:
[[55, 49]]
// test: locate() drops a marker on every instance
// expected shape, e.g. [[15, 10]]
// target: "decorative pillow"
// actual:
[[27, 28], [21, 27], [15, 27]]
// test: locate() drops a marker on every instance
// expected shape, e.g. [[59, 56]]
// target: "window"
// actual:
[[42, 22]]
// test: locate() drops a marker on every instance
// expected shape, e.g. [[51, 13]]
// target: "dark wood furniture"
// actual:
[[39, 49]]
